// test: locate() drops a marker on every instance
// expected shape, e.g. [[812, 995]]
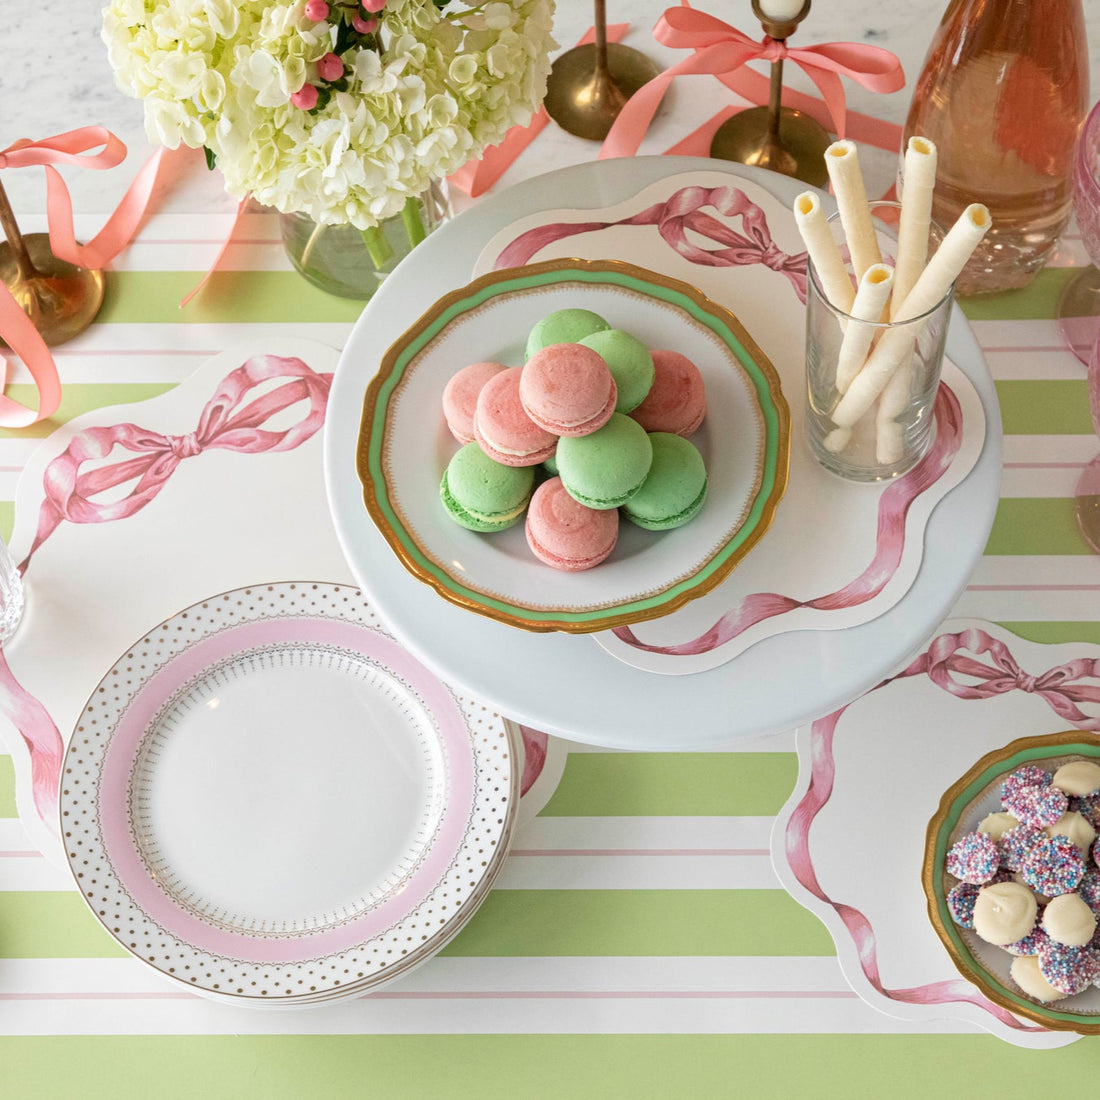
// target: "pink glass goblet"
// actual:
[[1079, 306], [1087, 502]]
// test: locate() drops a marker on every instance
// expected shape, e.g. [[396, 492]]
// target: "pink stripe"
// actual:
[[1022, 347], [1033, 587], [114, 353], [639, 852], [20, 855], [624, 995]]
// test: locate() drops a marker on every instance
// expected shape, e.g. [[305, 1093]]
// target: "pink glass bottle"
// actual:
[[1003, 93]]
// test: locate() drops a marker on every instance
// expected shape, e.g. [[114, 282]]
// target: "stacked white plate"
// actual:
[[271, 802]]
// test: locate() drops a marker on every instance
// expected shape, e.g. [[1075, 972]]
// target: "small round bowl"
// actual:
[[961, 808]]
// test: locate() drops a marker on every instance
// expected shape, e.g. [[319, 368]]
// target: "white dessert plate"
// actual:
[[404, 447], [268, 799]]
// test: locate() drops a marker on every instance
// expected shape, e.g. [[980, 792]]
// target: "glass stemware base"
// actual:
[[1079, 312]]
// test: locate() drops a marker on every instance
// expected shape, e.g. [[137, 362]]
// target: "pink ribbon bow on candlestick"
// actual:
[[71, 148], [223, 425], [720, 50]]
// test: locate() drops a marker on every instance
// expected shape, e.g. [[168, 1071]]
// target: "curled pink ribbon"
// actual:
[[720, 50], [226, 423], [72, 148], [684, 210], [893, 509], [943, 661]]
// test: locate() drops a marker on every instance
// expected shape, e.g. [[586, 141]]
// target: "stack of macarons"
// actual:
[[605, 416]]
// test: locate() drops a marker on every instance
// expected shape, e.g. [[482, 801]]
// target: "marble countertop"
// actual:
[[67, 61]]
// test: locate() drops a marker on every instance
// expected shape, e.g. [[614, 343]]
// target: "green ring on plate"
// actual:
[[760, 374], [956, 801]]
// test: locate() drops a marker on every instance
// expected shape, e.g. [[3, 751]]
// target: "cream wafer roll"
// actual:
[[896, 344], [888, 441], [919, 181], [874, 290], [842, 163], [823, 251]]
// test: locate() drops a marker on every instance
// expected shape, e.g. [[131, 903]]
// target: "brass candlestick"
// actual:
[[589, 84], [60, 298], [776, 137]]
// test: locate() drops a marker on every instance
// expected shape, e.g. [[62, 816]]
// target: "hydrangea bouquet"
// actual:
[[340, 110]]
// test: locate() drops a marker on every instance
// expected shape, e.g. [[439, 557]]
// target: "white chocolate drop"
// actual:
[[1025, 973], [1069, 920], [1078, 828], [1004, 912], [997, 824], [1078, 777]]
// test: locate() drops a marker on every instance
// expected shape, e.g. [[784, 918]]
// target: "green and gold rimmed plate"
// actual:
[[404, 447], [962, 807]]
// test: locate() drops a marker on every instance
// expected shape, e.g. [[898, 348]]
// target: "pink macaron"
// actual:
[[501, 427], [566, 534], [460, 397], [677, 400], [568, 389]]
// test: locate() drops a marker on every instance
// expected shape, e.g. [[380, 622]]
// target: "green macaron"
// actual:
[[605, 468], [675, 489], [630, 364], [482, 494], [564, 326]]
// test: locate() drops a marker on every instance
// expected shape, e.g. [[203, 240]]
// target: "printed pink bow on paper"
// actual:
[[946, 658], [720, 50], [1060, 688], [683, 211], [225, 424], [71, 148]]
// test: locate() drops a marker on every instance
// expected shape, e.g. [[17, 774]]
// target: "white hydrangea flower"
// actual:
[[417, 101]]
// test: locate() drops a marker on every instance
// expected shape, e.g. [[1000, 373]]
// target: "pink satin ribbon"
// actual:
[[945, 660], [73, 148], [476, 176], [721, 50], [226, 423], [889, 544], [681, 212]]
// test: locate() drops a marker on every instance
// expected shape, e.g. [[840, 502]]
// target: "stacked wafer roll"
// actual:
[[874, 369]]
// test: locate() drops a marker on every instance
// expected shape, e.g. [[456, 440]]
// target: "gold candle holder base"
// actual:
[[750, 138], [60, 298], [584, 97]]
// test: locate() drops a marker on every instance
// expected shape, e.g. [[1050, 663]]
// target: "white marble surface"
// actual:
[[54, 76]]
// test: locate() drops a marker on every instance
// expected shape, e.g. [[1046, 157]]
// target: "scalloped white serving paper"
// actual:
[[824, 534]]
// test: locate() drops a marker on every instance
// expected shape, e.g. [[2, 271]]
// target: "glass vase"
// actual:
[[352, 263]]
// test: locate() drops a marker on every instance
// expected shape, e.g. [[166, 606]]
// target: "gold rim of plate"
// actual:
[[776, 442], [994, 766]]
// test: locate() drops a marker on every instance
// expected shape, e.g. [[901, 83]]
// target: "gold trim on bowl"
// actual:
[[932, 872], [528, 619]]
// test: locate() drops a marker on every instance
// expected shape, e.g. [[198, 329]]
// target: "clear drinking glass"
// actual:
[[11, 594], [1079, 305], [896, 430]]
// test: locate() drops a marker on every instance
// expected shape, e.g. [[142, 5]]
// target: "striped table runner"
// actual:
[[638, 942]]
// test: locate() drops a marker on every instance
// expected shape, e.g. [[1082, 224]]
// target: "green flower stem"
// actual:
[[379, 249], [414, 223]]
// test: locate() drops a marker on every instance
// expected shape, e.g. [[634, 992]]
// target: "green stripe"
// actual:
[[79, 398], [641, 922], [1059, 407], [56, 924], [7, 519], [7, 787], [239, 297], [51, 924], [742, 784], [1055, 633], [1035, 525], [1038, 301], [540, 1067]]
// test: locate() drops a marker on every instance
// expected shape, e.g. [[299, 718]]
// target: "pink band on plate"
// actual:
[[118, 763]]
